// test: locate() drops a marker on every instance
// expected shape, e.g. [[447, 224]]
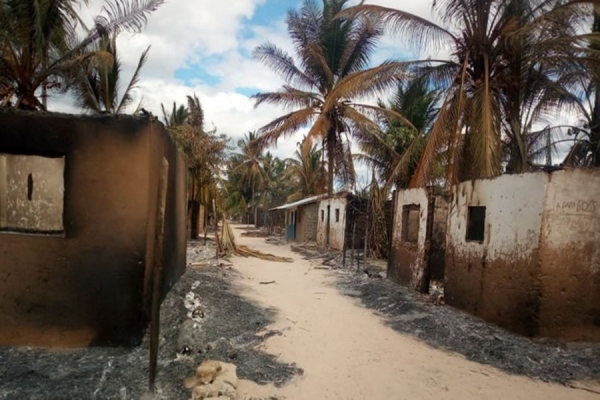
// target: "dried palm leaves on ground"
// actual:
[[229, 247]]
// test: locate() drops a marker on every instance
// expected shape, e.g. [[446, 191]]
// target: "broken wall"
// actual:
[[437, 246], [406, 261], [91, 285], [492, 265], [337, 222], [570, 256]]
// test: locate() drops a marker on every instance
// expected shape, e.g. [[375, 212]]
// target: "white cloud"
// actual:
[[214, 40]]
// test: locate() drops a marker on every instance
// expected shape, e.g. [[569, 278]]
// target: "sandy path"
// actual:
[[348, 353]]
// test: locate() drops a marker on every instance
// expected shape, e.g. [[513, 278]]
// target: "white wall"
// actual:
[[514, 206], [337, 228], [570, 267]]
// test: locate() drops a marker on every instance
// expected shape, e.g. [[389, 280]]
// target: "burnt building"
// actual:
[[520, 251], [82, 204]]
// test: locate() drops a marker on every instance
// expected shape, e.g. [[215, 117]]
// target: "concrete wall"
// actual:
[[570, 256], [406, 261], [337, 228], [497, 278], [92, 286]]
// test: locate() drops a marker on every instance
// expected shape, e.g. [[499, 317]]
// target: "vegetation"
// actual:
[[205, 154], [484, 108], [322, 91], [504, 75], [97, 86], [42, 50]]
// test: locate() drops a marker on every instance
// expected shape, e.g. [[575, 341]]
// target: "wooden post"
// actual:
[[345, 247], [353, 234], [217, 242], [366, 237], [158, 267]]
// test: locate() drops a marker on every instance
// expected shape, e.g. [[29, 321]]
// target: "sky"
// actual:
[[204, 47]]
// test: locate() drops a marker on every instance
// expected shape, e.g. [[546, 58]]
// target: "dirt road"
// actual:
[[347, 352]]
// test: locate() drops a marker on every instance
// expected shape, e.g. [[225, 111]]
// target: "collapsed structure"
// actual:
[[82, 204], [518, 250]]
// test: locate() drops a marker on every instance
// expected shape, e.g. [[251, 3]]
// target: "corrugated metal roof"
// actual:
[[308, 200]]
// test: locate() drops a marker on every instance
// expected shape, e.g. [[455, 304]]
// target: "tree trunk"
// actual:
[[194, 206], [330, 161], [253, 208], [330, 170]]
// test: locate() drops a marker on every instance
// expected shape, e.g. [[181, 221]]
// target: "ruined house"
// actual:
[[521, 250], [418, 238], [341, 219], [82, 202], [299, 219]]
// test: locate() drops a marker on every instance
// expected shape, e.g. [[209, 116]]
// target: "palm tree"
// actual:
[[585, 86], [333, 54], [306, 173], [204, 153], [176, 117], [499, 80], [97, 89], [251, 166], [395, 163], [40, 45]]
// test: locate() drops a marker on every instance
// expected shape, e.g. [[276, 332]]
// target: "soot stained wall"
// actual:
[[91, 285]]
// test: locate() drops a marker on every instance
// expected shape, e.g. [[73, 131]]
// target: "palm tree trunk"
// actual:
[[330, 168], [330, 161]]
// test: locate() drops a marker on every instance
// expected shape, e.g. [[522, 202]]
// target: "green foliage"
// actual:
[[506, 70], [322, 90], [41, 46], [97, 87]]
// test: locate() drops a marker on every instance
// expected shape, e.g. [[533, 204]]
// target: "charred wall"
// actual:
[[570, 256], [437, 247], [496, 275], [89, 285], [406, 262]]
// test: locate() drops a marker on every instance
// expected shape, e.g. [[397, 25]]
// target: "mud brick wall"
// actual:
[[90, 283], [307, 221], [407, 257], [570, 256], [496, 278]]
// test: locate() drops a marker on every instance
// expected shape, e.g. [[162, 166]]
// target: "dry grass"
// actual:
[[229, 247]]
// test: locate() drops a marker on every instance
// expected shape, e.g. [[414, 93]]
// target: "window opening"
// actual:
[[410, 223], [476, 223], [31, 194]]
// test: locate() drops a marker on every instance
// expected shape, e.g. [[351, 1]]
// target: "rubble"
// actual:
[[214, 379]]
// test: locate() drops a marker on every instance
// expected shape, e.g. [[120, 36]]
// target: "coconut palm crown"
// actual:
[[324, 87]]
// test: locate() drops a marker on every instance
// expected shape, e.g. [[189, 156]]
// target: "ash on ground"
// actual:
[[201, 318], [445, 327]]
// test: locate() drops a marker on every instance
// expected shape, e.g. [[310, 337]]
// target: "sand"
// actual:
[[347, 352]]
